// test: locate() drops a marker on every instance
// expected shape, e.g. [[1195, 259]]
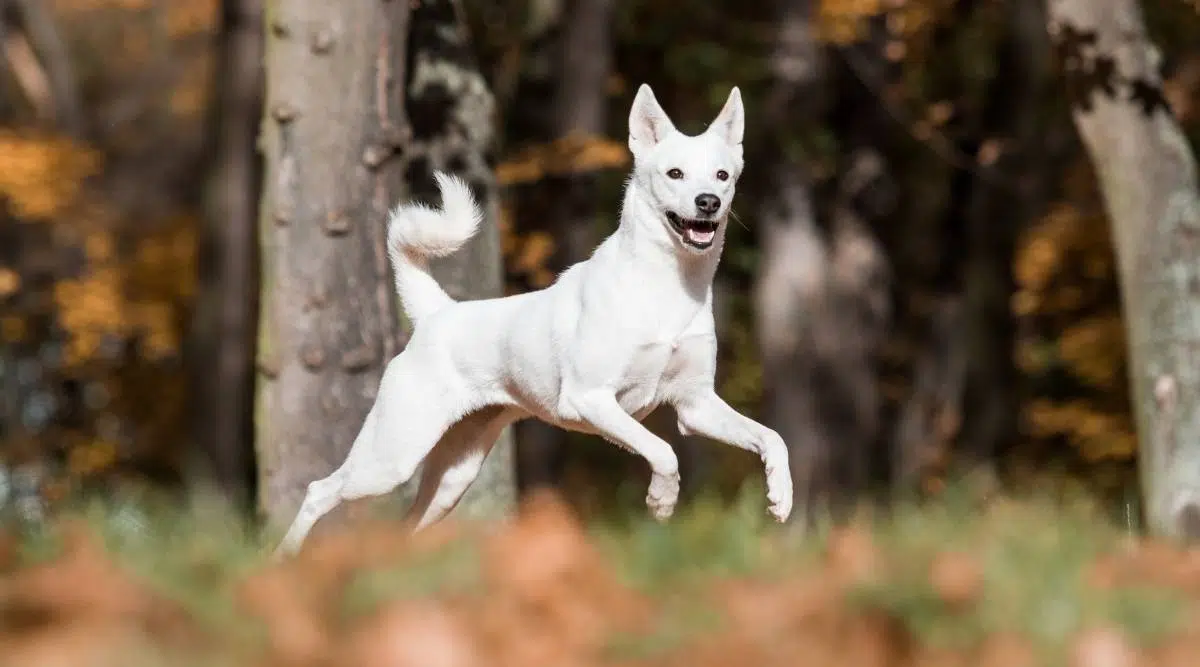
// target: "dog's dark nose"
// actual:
[[708, 204]]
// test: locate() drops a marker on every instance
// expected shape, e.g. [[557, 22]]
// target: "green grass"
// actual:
[[1034, 556]]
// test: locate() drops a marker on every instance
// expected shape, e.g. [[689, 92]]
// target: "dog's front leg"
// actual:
[[601, 411], [706, 414]]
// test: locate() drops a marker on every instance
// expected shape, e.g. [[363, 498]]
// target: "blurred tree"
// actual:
[[452, 116], [39, 59], [223, 322], [363, 102], [962, 411], [822, 294], [570, 201], [1147, 175]]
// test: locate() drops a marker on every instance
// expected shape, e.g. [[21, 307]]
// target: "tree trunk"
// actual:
[[1147, 174], [821, 296], [579, 108], [1008, 191], [962, 411], [328, 318], [452, 116], [224, 319]]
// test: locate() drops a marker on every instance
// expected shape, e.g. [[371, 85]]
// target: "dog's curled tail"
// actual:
[[417, 232]]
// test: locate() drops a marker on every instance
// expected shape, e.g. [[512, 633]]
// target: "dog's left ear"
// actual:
[[730, 124]]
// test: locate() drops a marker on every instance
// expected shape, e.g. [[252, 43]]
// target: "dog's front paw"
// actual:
[[779, 490], [662, 496]]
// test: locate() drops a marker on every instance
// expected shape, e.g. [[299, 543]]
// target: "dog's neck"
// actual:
[[643, 236]]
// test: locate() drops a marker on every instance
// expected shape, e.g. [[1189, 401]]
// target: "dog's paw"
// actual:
[[662, 496], [660, 511], [779, 491]]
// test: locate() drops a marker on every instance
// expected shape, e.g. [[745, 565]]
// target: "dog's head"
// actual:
[[689, 180]]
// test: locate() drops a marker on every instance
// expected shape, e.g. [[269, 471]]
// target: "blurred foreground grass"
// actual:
[[1006, 582]]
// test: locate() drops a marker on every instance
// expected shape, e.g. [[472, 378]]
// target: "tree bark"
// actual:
[[224, 320], [452, 117], [1147, 174], [334, 122]]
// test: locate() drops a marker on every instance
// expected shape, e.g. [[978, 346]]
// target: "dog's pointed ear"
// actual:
[[648, 123], [730, 124]]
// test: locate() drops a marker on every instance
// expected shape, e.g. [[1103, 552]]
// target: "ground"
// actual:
[[1000, 583]]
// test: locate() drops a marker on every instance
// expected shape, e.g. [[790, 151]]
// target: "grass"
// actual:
[[1033, 556]]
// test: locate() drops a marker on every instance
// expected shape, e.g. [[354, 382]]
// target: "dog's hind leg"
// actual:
[[454, 464], [406, 422], [323, 494]]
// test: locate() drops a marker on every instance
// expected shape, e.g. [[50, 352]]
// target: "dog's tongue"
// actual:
[[700, 236]]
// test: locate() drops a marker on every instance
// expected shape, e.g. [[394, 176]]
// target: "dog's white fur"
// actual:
[[615, 336]]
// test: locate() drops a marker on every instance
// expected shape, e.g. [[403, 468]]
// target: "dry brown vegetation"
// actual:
[[932, 587]]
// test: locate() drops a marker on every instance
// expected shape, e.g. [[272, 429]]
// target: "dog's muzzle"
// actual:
[[698, 234]]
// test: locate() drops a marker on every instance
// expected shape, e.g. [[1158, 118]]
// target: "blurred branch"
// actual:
[[922, 133], [29, 75], [42, 65]]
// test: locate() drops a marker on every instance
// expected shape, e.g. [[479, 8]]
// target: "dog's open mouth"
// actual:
[[696, 233]]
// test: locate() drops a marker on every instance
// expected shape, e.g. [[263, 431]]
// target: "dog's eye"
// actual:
[[675, 174], [722, 175]]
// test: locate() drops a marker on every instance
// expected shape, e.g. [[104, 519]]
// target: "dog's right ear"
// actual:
[[648, 123]]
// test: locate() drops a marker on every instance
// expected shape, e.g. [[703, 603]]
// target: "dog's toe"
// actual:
[[662, 506]]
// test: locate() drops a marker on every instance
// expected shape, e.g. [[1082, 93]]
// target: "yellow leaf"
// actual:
[[42, 175], [572, 154], [12, 329], [536, 250], [92, 457], [10, 281]]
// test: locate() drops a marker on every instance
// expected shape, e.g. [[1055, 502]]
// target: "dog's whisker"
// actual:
[[733, 214]]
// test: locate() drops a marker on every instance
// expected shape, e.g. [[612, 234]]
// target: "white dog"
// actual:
[[615, 336]]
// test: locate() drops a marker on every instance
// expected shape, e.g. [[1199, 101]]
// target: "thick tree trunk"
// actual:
[[224, 319], [452, 116], [579, 108], [1147, 175], [334, 121]]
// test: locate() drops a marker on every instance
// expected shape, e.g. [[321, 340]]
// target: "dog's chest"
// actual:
[[648, 373]]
